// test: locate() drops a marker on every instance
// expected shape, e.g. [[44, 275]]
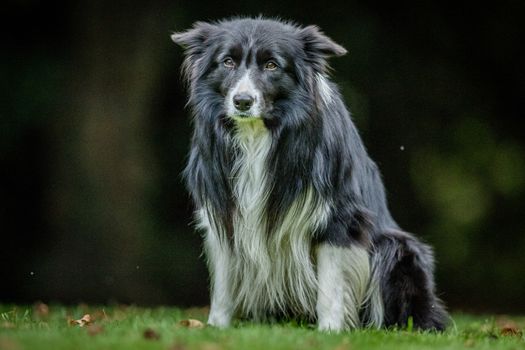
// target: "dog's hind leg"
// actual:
[[406, 269]]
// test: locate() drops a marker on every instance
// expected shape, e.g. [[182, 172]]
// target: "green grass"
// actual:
[[119, 327]]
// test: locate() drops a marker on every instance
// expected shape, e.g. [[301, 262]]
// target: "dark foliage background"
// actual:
[[93, 137]]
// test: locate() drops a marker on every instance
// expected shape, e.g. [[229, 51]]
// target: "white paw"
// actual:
[[219, 320], [330, 325]]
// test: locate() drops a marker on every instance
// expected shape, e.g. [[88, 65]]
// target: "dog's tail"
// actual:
[[402, 284]]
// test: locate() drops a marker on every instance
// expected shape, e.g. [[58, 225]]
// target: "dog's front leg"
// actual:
[[343, 274], [330, 291], [219, 263]]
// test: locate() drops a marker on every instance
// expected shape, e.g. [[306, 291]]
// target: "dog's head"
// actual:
[[253, 68]]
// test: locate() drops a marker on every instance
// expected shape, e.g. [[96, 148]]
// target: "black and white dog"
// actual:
[[293, 210]]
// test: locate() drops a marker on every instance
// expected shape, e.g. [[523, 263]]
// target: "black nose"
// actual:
[[243, 102]]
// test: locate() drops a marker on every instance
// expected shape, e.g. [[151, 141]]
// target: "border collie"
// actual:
[[293, 210]]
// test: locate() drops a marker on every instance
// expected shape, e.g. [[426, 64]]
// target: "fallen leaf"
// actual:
[[191, 323], [84, 321], [508, 327], [94, 329], [151, 334], [511, 330]]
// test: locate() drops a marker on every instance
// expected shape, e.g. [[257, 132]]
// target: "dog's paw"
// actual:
[[219, 320], [331, 326]]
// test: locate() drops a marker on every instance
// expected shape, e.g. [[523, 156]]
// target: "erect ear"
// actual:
[[193, 39], [316, 43]]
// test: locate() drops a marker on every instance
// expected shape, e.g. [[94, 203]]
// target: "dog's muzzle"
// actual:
[[243, 102]]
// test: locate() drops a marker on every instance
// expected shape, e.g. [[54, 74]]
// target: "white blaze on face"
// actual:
[[244, 86]]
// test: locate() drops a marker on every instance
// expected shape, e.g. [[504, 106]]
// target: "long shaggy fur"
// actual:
[[293, 210]]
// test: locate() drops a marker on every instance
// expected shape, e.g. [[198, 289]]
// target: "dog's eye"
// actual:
[[270, 65], [228, 62]]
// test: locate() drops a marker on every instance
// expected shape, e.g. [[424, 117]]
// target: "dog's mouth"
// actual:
[[245, 117]]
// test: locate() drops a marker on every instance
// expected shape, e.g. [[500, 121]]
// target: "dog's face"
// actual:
[[252, 76], [252, 68]]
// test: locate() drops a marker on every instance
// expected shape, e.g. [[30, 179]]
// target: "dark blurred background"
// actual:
[[94, 135]]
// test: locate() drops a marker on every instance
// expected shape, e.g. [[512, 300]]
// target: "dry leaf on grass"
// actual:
[[511, 330], [508, 327], [191, 323], [84, 321], [151, 334]]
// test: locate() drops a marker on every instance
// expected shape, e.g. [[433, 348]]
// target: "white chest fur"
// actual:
[[258, 273], [270, 272]]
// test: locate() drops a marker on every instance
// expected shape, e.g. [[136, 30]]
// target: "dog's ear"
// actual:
[[193, 40], [317, 44]]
